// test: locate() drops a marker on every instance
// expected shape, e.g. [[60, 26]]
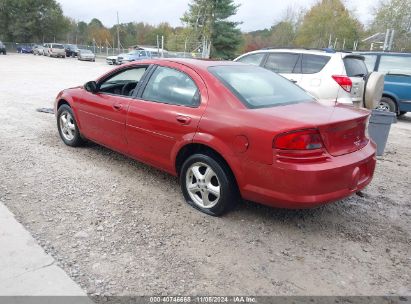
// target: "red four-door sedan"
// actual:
[[227, 130]]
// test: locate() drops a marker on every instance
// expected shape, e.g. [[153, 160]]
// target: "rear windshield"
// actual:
[[57, 46], [259, 88], [355, 67]]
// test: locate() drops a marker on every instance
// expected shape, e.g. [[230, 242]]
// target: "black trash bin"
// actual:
[[379, 128]]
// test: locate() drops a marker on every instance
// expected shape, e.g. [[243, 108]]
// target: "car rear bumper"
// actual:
[[296, 186]]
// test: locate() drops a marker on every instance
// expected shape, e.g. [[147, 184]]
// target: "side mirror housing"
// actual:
[[91, 87]]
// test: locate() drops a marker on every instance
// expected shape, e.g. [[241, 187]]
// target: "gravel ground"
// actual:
[[119, 227]]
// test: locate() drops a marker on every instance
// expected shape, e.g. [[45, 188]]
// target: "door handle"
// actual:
[[293, 81], [184, 120], [118, 106]]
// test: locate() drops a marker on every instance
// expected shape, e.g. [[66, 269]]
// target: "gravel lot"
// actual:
[[119, 227]]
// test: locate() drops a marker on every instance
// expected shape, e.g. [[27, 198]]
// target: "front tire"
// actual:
[[67, 126], [208, 184]]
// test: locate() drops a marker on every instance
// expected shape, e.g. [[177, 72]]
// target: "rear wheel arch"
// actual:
[[196, 148]]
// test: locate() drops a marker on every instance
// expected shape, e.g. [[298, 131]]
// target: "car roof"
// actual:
[[383, 53], [191, 63], [296, 50]]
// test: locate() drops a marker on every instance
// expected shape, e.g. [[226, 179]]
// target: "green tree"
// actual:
[[328, 18], [396, 15], [210, 20], [32, 20]]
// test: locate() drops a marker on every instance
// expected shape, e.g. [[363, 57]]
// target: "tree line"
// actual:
[[208, 24]]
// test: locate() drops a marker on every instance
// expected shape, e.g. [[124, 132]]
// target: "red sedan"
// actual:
[[227, 130]]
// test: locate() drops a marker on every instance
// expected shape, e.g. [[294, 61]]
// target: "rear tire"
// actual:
[[208, 184], [67, 127], [388, 105]]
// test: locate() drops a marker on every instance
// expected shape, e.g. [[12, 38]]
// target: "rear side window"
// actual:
[[170, 86], [395, 65], [355, 67], [282, 62], [254, 59], [314, 63]]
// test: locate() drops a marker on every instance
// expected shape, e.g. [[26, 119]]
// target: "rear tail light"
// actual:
[[344, 82], [299, 140]]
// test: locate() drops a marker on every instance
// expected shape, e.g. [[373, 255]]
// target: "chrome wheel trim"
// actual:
[[383, 106], [67, 126], [202, 185]]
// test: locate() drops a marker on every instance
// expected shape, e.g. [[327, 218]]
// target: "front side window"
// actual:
[[168, 85], [254, 59], [395, 65], [282, 62], [123, 83], [312, 64], [256, 87]]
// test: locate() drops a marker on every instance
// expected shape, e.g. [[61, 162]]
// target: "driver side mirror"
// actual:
[[91, 87]]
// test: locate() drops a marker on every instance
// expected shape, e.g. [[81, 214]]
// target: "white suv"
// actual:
[[331, 77]]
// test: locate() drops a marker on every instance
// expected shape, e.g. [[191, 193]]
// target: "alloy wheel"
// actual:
[[203, 185]]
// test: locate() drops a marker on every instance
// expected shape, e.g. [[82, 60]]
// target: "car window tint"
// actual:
[[314, 63], [259, 88], [173, 87], [254, 59], [395, 64], [370, 62], [355, 67], [282, 63]]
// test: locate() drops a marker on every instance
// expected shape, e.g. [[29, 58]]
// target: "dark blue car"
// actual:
[[24, 49], [397, 86]]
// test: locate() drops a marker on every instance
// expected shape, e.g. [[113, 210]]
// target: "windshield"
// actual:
[[138, 53], [86, 51], [57, 46], [259, 88]]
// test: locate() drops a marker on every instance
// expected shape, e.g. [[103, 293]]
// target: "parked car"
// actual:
[[113, 60], [38, 50], [134, 55], [396, 96], [327, 75], [54, 50], [3, 48], [24, 49], [226, 129], [86, 55], [71, 50]]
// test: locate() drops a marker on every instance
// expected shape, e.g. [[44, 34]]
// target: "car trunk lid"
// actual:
[[342, 128]]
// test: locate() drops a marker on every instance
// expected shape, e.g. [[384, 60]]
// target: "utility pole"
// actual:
[[118, 33]]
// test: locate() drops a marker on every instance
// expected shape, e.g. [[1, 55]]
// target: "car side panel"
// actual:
[[153, 131], [399, 86]]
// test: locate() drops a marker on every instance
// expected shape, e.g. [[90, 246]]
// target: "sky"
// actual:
[[255, 14]]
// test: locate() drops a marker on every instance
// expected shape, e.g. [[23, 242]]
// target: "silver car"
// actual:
[[86, 55], [54, 50], [38, 50]]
